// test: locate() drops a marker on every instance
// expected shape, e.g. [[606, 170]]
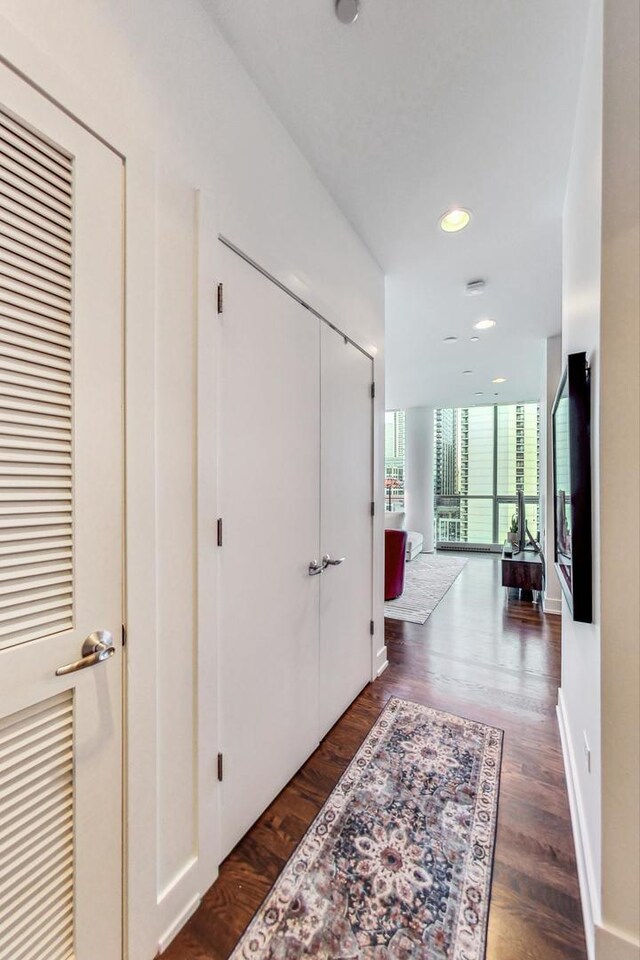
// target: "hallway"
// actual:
[[477, 656]]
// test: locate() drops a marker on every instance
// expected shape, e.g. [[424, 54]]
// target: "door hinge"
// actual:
[[372, 627], [220, 297], [124, 635], [220, 770], [219, 528], [373, 508], [373, 391]]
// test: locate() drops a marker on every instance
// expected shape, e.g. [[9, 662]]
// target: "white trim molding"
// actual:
[[552, 605], [615, 945], [603, 942], [589, 893], [176, 926], [385, 663]]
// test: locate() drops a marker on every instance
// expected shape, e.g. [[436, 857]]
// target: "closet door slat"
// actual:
[[36, 489]]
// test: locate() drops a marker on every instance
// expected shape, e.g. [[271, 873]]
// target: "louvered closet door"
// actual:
[[60, 533]]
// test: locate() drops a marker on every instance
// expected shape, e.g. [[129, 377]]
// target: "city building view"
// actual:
[[482, 457], [394, 445]]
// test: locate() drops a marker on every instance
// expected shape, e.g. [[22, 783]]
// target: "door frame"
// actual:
[[94, 586]]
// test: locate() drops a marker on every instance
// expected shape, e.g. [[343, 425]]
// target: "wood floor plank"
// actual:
[[482, 656]]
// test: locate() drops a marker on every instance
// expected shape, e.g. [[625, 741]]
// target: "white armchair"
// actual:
[[394, 520]]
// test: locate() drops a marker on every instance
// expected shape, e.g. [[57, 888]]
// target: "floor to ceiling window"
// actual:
[[483, 456]]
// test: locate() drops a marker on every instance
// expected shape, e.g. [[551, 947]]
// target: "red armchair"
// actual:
[[395, 548]]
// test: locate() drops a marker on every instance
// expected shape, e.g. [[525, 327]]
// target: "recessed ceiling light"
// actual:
[[347, 10], [484, 324], [474, 339], [499, 380], [454, 220], [479, 393], [467, 371], [450, 340]]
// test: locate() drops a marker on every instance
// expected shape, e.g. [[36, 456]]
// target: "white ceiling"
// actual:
[[419, 106]]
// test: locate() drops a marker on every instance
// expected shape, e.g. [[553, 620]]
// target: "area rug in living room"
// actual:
[[397, 864], [426, 580]]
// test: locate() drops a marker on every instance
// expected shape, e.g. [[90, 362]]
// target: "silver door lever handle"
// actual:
[[328, 562], [97, 647], [315, 568]]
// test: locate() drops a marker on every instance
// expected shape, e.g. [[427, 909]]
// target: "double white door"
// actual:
[[61, 504], [295, 478]]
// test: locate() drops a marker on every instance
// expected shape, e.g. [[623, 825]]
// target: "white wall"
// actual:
[[580, 690], [619, 936], [599, 694], [156, 80]]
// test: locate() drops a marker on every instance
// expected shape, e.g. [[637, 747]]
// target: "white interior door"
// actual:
[[269, 470], [60, 534], [346, 525]]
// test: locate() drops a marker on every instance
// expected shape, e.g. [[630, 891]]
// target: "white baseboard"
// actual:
[[586, 878], [174, 928], [382, 668], [551, 605], [614, 945]]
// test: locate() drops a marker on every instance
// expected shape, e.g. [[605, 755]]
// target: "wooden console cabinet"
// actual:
[[523, 571]]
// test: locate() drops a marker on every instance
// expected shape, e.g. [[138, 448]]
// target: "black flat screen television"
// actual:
[[571, 415]]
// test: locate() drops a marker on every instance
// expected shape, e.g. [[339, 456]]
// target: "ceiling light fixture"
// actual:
[[484, 324], [474, 287], [474, 339], [479, 393], [467, 371], [454, 220], [499, 380], [450, 340], [347, 11]]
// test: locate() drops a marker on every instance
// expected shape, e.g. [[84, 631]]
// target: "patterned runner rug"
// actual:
[[426, 580], [397, 864]]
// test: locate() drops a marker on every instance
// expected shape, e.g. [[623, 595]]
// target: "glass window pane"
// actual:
[[507, 510], [464, 520], [464, 459], [476, 521], [446, 435], [476, 450], [394, 434], [518, 464]]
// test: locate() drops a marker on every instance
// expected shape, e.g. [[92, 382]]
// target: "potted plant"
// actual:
[[512, 534]]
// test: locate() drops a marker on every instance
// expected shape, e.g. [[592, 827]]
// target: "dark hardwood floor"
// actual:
[[481, 657]]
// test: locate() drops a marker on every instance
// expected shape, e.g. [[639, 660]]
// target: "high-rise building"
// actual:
[[445, 475], [394, 448], [394, 435], [518, 461], [476, 474]]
